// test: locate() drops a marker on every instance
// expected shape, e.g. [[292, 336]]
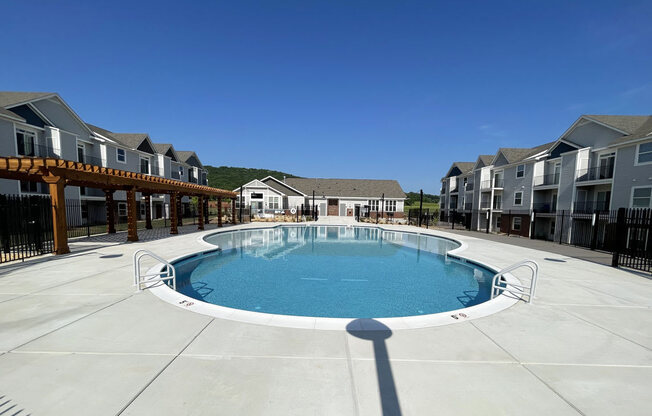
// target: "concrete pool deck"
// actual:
[[76, 339]]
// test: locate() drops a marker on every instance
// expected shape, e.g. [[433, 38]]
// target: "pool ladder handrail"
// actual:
[[513, 288], [167, 273]]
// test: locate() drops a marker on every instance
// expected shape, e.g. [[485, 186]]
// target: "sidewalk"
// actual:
[[594, 256]]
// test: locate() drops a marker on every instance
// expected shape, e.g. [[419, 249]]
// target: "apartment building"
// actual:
[[44, 125], [600, 163]]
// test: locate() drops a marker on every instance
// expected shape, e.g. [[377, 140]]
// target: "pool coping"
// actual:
[[490, 307]]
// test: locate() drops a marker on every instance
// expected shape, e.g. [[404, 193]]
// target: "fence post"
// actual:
[[420, 207], [594, 229], [561, 227], [453, 219], [488, 217], [621, 234]]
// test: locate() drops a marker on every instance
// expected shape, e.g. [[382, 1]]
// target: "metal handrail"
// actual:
[[515, 288], [168, 273]]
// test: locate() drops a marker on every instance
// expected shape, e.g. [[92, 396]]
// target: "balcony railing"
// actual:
[[455, 188], [469, 186], [468, 206], [544, 208], [485, 185], [497, 205], [192, 179], [175, 175], [543, 180], [40, 150], [485, 204], [591, 206], [596, 173], [499, 182]]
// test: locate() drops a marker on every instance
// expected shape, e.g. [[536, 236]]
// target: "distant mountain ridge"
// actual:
[[229, 178]]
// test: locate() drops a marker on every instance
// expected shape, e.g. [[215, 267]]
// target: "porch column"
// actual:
[[173, 213], [132, 224], [59, 224], [233, 210], [110, 211], [200, 205], [148, 212], [179, 210], [219, 211]]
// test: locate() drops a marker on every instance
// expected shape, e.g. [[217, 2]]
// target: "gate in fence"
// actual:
[[633, 239], [25, 227]]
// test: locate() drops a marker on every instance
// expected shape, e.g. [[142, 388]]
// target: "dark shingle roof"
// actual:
[[644, 130], [132, 140], [486, 159], [162, 148], [100, 131], [185, 155], [518, 154], [465, 167], [284, 188], [10, 98], [348, 187], [628, 124]]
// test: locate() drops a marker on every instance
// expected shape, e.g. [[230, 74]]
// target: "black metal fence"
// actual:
[[422, 217], [25, 227], [297, 214]]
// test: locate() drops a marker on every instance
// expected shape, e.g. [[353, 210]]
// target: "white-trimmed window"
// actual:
[[273, 202], [144, 165], [390, 206], [518, 198], [516, 223], [26, 142], [121, 155], [644, 153], [122, 209], [642, 197], [520, 171], [373, 205]]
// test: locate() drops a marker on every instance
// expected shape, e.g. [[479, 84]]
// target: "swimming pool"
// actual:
[[333, 272]]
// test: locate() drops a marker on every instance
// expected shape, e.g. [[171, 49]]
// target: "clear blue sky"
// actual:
[[376, 89]]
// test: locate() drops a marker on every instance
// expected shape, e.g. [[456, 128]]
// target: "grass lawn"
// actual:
[[426, 205]]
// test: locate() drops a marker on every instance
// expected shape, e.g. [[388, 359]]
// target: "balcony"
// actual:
[[469, 186], [485, 185], [497, 205], [175, 175], [544, 208], [468, 206], [499, 182], [591, 206], [596, 174], [455, 188], [547, 180], [485, 204], [192, 179], [48, 151]]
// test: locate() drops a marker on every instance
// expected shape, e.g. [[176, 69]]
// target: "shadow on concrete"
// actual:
[[386, 386]]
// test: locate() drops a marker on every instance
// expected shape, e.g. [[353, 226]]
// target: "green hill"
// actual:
[[229, 178], [413, 198]]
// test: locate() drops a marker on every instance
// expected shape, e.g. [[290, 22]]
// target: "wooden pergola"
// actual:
[[58, 174]]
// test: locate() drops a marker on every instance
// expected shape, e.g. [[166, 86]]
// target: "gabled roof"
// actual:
[[13, 98], [166, 149], [459, 168], [347, 187], [11, 115], [102, 132], [131, 140], [186, 155], [280, 186], [482, 161], [519, 154], [644, 130], [626, 124]]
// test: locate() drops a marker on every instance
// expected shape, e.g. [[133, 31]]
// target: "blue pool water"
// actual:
[[337, 272]]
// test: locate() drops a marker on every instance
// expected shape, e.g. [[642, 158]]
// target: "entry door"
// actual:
[[332, 207]]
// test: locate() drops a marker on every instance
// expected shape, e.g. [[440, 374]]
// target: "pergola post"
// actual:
[[219, 211], [59, 226], [179, 210], [110, 211], [200, 205], [148, 212], [173, 213], [132, 224], [233, 210]]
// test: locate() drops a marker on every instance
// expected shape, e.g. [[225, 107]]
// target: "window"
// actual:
[[518, 198], [520, 171], [122, 209], [144, 165], [143, 208], [81, 153], [28, 187], [26, 143], [642, 197], [373, 205], [121, 155], [256, 195], [644, 153], [516, 223], [272, 202], [390, 206]]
